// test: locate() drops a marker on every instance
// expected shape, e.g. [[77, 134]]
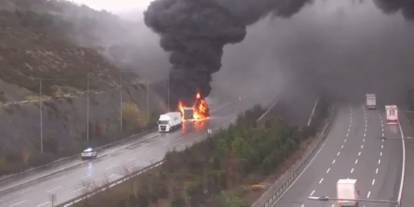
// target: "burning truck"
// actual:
[[173, 120], [198, 112]]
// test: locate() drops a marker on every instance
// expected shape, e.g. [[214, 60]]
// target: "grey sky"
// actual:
[[115, 5]]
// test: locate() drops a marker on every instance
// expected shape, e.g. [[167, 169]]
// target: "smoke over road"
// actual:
[[392, 6], [194, 32]]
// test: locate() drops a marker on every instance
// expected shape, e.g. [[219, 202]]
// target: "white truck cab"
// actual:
[[169, 121], [391, 113]]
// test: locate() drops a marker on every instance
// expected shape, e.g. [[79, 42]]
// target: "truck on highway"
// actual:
[[347, 193], [371, 101], [391, 113], [188, 113], [169, 121]]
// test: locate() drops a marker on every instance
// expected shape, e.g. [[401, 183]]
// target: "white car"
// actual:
[[89, 153]]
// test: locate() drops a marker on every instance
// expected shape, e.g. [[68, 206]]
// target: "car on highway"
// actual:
[[89, 153]]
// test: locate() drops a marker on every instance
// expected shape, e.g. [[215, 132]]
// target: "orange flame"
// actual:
[[200, 108]]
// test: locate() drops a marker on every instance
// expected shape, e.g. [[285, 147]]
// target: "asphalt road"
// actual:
[[354, 148], [110, 164]]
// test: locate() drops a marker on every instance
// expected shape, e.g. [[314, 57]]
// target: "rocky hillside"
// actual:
[[37, 48]]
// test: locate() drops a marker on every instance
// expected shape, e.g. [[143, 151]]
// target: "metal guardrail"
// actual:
[[277, 190], [109, 185]]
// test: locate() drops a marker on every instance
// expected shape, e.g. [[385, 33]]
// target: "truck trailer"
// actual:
[[371, 101], [169, 121], [391, 113], [347, 193]]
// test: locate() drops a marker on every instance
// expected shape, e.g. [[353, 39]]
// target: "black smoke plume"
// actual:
[[406, 7], [194, 32]]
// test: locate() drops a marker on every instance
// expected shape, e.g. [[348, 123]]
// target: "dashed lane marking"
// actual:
[[342, 146], [356, 161], [362, 146], [381, 154], [320, 181], [379, 161], [17, 203], [44, 204], [368, 194], [313, 192], [328, 170], [352, 170], [333, 161], [359, 153], [373, 182], [338, 153], [376, 171]]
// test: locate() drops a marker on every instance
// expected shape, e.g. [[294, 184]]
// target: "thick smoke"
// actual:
[[195, 32], [391, 6]]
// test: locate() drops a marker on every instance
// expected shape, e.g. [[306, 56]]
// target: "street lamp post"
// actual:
[[121, 113], [87, 109], [41, 113]]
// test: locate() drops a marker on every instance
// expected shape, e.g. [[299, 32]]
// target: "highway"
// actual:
[[79, 176], [359, 145]]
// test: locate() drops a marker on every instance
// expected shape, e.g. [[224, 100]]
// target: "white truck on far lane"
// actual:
[[347, 193], [169, 121], [371, 101], [391, 113]]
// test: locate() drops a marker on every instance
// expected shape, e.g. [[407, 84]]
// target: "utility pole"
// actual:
[[168, 101], [87, 109], [41, 113], [148, 100], [121, 101]]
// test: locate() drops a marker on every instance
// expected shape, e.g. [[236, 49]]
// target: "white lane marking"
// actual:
[[303, 205], [373, 182], [403, 165], [78, 189], [352, 170], [363, 140], [382, 140], [382, 129], [379, 161], [362, 146], [347, 135], [300, 175], [382, 135], [376, 171], [333, 161], [333, 205], [17, 203], [381, 154], [328, 170], [345, 140], [313, 192], [356, 161], [338, 153], [109, 168], [321, 180], [365, 134], [359, 153], [342, 146], [382, 146], [368, 194], [52, 190], [43, 204]]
